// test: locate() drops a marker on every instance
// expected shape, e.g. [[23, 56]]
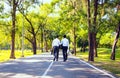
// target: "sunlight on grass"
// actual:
[[5, 54], [103, 60]]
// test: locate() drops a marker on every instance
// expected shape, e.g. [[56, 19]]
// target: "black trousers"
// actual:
[[64, 50], [56, 52]]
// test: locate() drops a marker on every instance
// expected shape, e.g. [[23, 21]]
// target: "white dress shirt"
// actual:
[[56, 42], [65, 42]]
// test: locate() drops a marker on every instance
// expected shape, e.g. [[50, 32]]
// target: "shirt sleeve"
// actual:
[[52, 43], [61, 41]]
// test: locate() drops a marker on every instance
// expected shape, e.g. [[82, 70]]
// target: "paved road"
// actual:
[[42, 66]]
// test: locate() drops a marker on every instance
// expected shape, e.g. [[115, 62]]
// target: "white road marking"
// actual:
[[98, 69], [45, 73]]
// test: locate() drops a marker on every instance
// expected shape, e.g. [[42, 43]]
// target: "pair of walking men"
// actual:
[[56, 44]]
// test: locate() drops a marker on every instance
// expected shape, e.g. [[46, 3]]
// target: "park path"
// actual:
[[43, 66]]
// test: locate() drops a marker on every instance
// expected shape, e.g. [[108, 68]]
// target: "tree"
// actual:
[[116, 37], [15, 3], [94, 26], [37, 22], [1, 7], [82, 40], [90, 33], [32, 30], [70, 14]]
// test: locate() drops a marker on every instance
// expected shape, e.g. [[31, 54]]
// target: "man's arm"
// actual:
[[52, 43]]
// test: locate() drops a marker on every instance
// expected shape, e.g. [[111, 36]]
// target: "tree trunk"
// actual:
[[74, 40], [39, 44], [12, 56], [115, 42], [95, 45], [91, 47], [42, 39], [95, 30], [46, 45], [34, 45], [84, 47], [90, 36]]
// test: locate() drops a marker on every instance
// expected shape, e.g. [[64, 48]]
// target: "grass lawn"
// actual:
[[103, 60], [5, 54]]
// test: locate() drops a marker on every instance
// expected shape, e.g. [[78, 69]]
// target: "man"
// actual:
[[55, 46], [65, 47]]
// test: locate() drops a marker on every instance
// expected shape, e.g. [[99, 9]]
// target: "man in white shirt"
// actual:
[[55, 46], [65, 47]]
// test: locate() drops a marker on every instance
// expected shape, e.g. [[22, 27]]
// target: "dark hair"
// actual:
[[64, 36], [57, 36]]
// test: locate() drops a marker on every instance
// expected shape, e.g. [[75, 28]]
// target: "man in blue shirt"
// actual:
[[65, 47]]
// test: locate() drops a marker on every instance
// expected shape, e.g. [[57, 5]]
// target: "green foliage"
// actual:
[[107, 40], [82, 37], [1, 7], [5, 39], [54, 2], [60, 17], [46, 9], [103, 60]]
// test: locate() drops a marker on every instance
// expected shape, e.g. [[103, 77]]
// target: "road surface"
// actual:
[[43, 66]]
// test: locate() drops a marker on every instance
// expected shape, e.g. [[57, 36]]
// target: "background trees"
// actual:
[[42, 21]]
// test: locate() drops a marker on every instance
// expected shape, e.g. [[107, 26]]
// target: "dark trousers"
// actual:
[[56, 53], [64, 50]]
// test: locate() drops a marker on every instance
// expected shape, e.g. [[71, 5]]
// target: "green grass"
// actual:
[[5, 54], [103, 60]]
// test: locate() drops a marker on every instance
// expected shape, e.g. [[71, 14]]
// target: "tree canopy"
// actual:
[[43, 21]]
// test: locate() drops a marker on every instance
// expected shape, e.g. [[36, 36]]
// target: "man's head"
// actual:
[[57, 36], [64, 36]]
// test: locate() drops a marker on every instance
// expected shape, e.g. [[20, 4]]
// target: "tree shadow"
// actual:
[[32, 66], [35, 67]]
